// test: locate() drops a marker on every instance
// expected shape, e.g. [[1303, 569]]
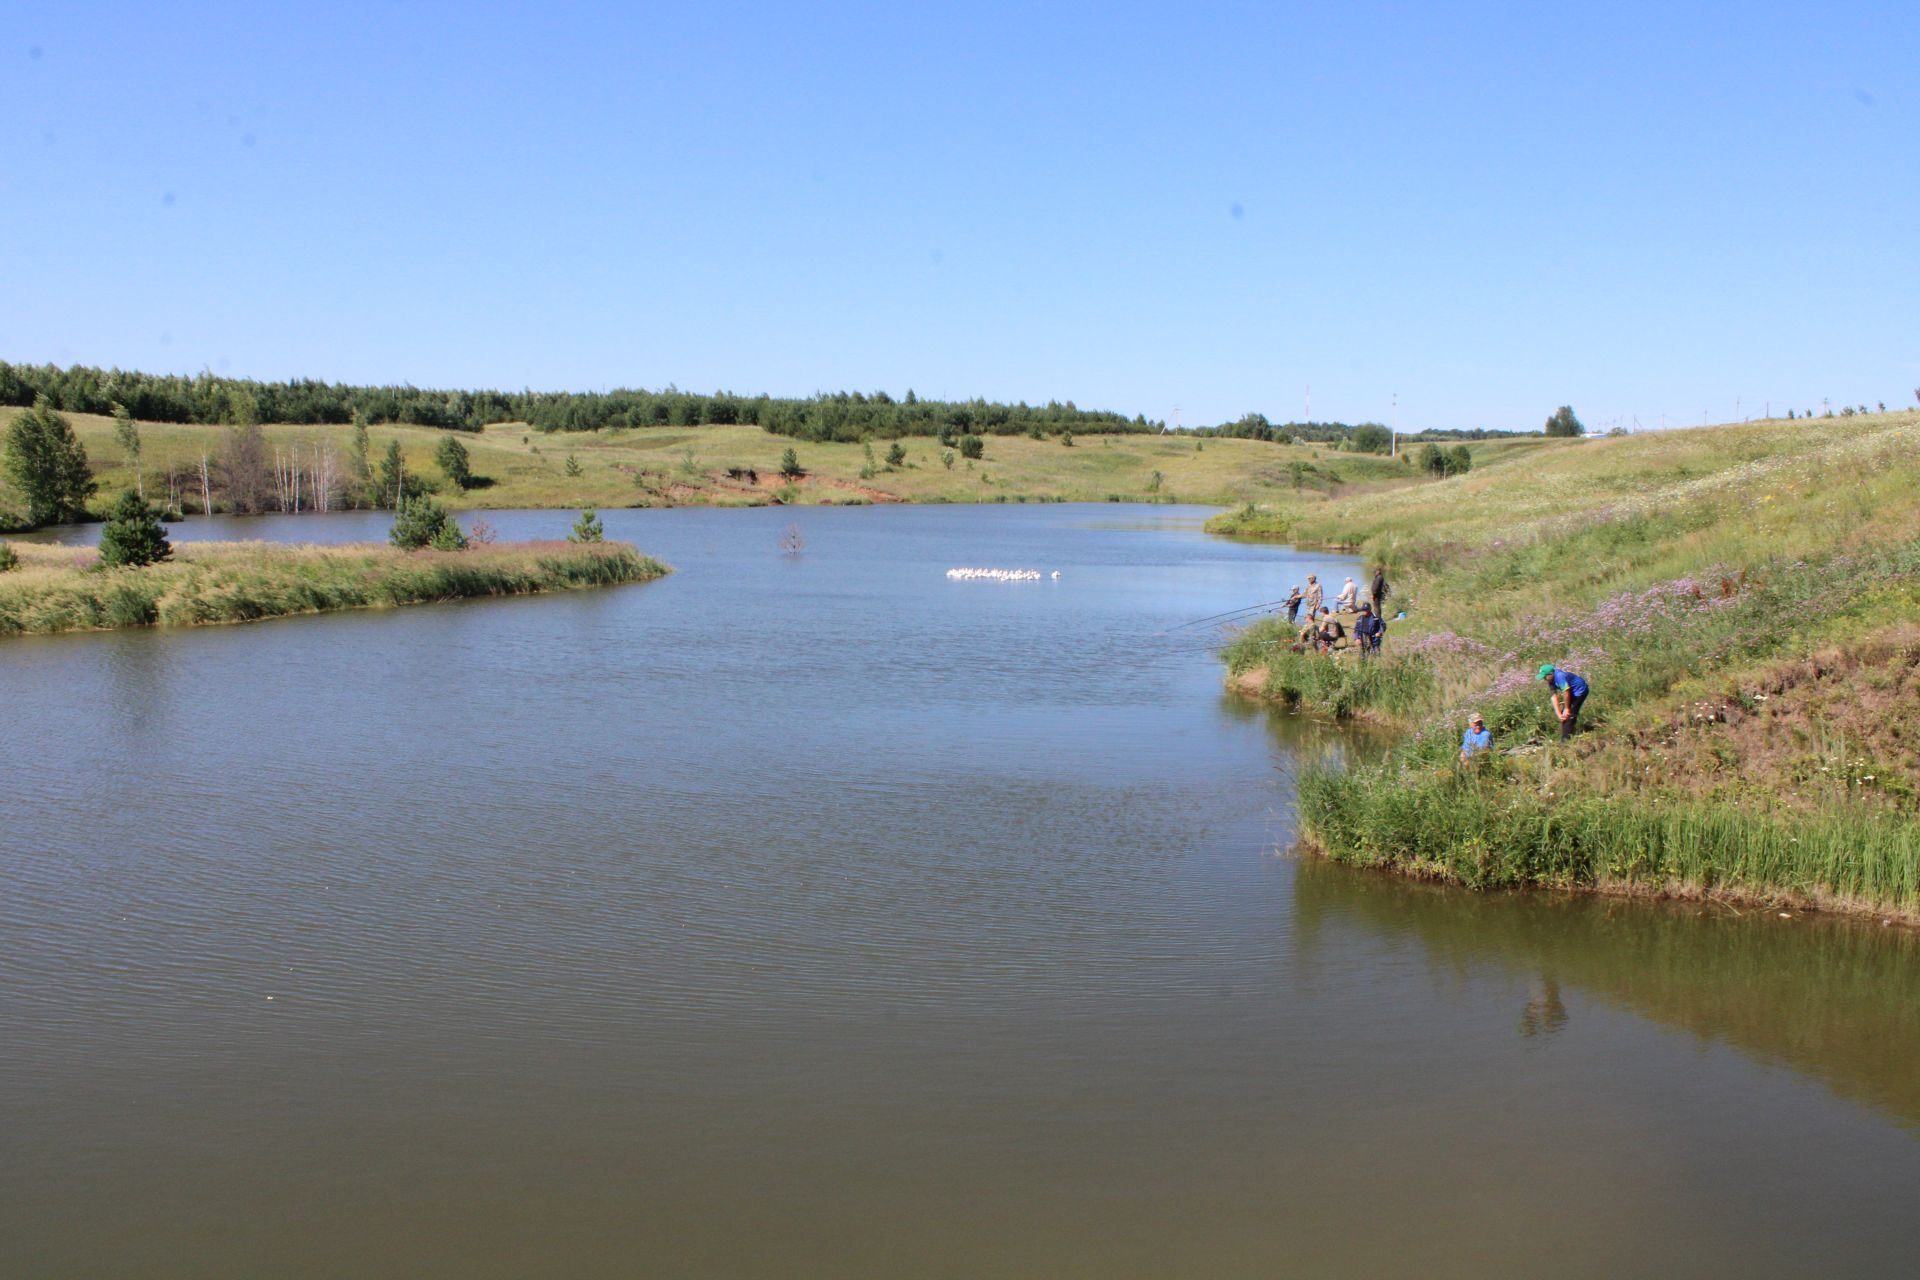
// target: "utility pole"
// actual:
[[1309, 404], [1393, 439]]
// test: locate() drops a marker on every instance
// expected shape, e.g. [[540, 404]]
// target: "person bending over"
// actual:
[[1567, 692]]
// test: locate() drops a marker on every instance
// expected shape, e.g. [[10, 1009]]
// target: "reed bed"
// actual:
[[62, 589]]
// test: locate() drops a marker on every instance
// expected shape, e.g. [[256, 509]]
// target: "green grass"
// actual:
[[1742, 600], [687, 466], [65, 589]]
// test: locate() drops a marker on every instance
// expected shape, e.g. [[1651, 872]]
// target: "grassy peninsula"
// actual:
[[66, 589], [1745, 603]]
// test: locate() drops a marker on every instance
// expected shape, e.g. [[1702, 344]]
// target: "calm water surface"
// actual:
[[817, 915]]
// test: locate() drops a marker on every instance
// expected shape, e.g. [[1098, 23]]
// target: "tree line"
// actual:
[[1360, 437], [837, 416]]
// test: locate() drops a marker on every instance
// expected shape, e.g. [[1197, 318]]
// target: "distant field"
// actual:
[[687, 466]]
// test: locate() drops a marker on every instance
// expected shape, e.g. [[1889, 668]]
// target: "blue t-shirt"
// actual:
[[1572, 683], [1473, 742]]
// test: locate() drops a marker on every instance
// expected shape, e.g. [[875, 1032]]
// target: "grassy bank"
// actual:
[[65, 589], [1744, 600], [520, 467]]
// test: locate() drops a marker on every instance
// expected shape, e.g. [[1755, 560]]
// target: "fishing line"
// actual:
[[1252, 608]]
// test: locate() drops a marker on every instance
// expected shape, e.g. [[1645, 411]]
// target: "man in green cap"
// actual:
[[1567, 692]]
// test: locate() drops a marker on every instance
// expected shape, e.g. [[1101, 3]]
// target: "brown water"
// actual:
[[817, 915]]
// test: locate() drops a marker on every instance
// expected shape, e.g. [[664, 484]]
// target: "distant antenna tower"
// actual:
[[1393, 439], [1309, 417], [1176, 420]]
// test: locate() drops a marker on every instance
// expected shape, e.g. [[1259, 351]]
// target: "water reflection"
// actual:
[[1832, 999]]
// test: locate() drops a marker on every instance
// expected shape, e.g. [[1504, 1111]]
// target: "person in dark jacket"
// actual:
[[1368, 630], [1293, 605], [1380, 590]]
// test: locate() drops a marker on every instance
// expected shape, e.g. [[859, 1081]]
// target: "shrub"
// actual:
[[133, 535], [425, 523], [9, 558], [1066, 438], [587, 528], [573, 465], [946, 459], [790, 464], [897, 455], [972, 447]]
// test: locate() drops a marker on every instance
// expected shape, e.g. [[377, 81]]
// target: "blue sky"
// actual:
[[1486, 210]]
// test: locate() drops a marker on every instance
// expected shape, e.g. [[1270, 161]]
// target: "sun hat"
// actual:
[[1476, 718], [1546, 669]]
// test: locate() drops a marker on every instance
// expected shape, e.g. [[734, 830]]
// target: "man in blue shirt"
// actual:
[[1566, 691], [1476, 738], [1369, 628]]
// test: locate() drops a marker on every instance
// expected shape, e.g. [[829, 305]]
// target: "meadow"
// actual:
[[1744, 601], [56, 588], [516, 466]]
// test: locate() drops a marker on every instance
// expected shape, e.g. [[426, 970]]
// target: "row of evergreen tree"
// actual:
[[1363, 437], [843, 415]]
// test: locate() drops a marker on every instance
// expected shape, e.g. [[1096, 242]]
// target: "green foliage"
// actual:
[[587, 528], [127, 433], [972, 447], [425, 523], [1066, 440], [133, 536], [1370, 438], [897, 455], [47, 464], [790, 464], [9, 558], [393, 470], [453, 459], [1563, 423], [1459, 460], [946, 459], [573, 465], [837, 416]]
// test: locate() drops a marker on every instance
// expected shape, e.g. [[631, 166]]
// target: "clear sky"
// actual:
[[1488, 210]]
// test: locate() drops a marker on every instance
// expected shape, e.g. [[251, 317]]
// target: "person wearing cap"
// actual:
[[1314, 593], [1477, 738], [1369, 629], [1293, 605], [1379, 595], [1566, 691], [1348, 595]]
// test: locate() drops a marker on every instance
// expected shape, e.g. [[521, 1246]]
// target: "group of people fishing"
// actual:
[[1323, 631]]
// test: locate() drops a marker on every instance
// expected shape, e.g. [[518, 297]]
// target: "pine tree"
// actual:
[[453, 459], [48, 464], [587, 528], [790, 464], [393, 473], [425, 523], [133, 535]]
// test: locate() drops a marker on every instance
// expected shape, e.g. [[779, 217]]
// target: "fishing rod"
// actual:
[[1252, 608]]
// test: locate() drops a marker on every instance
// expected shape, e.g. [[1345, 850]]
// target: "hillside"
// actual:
[[1745, 603], [517, 466]]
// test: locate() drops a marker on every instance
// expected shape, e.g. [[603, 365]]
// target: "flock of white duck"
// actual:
[[996, 575]]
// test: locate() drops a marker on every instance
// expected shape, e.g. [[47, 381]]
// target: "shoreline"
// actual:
[[58, 590]]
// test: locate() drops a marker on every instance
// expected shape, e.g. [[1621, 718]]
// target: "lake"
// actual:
[[818, 915]]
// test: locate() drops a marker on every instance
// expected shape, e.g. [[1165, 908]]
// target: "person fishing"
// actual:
[[1567, 692], [1293, 605], [1380, 590], [1314, 594], [1476, 739], [1349, 595]]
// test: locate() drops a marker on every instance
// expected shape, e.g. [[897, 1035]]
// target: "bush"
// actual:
[[587, 528], [1066, 438], [790, 464], [1563, 423], [133, 535], [897, 455], [9, 558], [425, 523], [972, 447], [573, 465]]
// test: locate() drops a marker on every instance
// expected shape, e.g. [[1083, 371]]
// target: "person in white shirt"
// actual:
[[1348, 595]]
